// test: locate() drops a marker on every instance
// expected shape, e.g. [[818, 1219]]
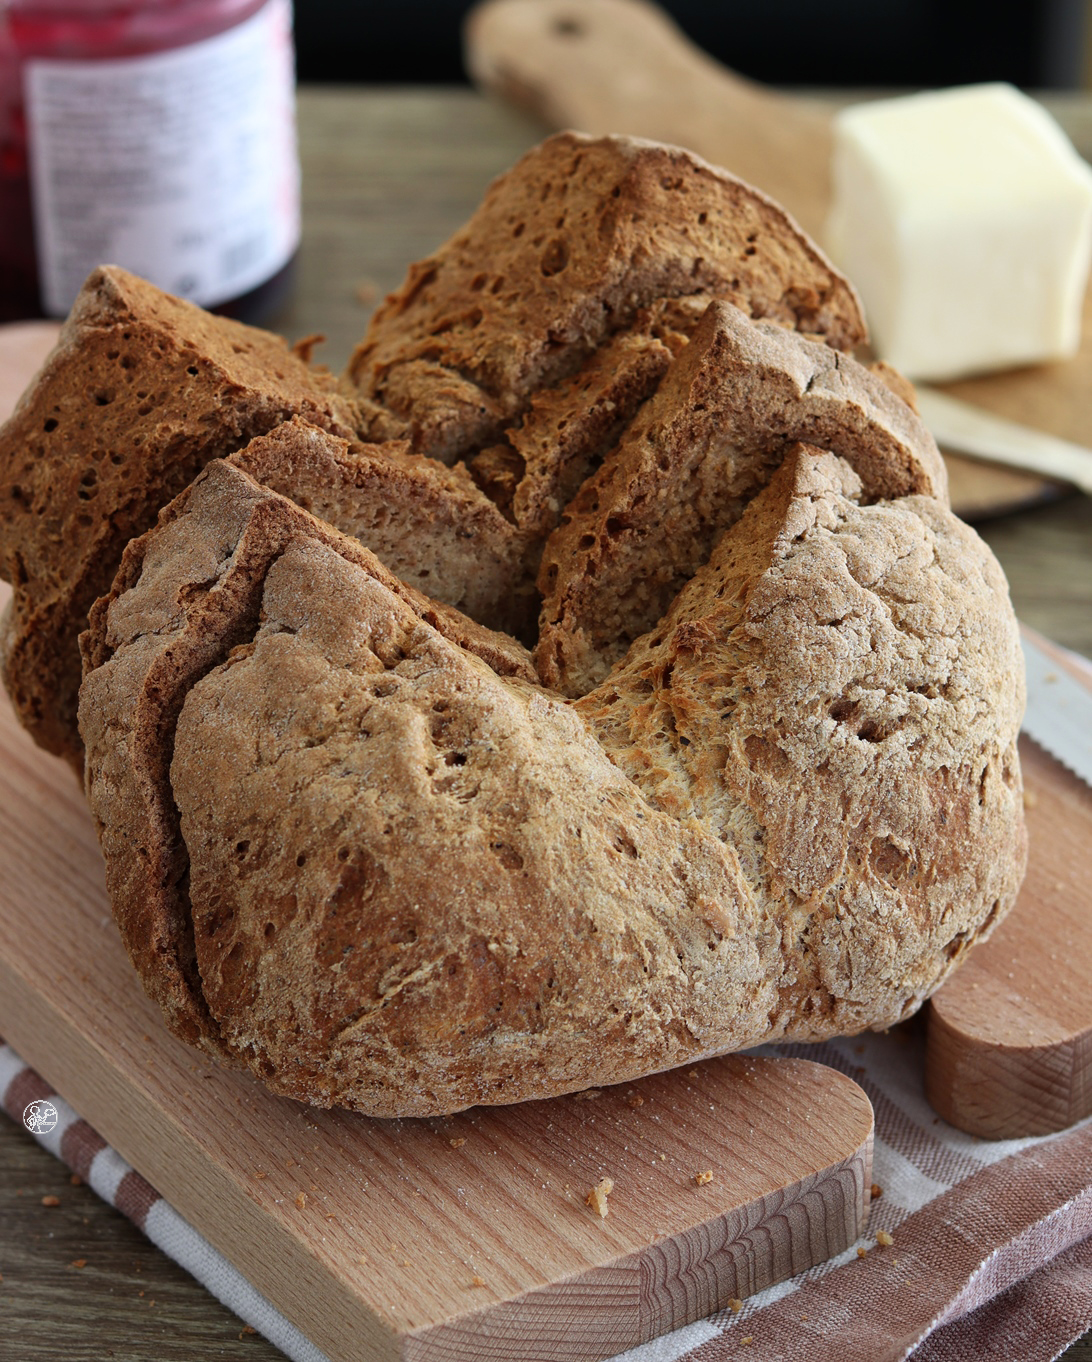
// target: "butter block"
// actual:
[[964, 218]]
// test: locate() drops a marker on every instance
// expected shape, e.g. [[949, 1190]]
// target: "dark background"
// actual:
[[1037, 44]]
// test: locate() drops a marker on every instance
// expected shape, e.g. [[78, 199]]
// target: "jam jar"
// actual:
[[154, 134]]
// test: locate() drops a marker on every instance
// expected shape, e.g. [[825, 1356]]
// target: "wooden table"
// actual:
[[388, 174]]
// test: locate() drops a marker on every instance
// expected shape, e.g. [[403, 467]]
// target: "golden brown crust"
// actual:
[[736, 398], [352, 840], [140, 392], [415, 885], [187, 593]]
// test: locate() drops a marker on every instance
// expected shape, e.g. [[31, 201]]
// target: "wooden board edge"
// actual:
[[1003, 1092], [594, 1314], [1000, 1091], [683, 1278], [140, 1130]]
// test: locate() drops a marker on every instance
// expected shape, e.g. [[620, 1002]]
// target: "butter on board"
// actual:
[[964, 217]]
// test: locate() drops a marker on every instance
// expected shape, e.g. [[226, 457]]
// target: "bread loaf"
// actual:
[[759, 780], [388, 878]]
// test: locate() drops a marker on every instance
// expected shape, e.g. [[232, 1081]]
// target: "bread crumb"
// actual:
[[1030, 799], [51, 1201], [457, 1144], [634, 1099], [260, 1175], [597, 1197], [735, 1305], [702, 1178], [247, 1329], [76, 1180], [301, 1200], [692, 1074], [884, 1239], [587, 1094], [862, 1252], [79, 1262], [477, 1281], [362, 1259], [877, 1191], [747, 1338]]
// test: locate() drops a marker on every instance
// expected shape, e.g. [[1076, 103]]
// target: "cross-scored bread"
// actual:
[[735, 399], [352, 840], [386, 877]]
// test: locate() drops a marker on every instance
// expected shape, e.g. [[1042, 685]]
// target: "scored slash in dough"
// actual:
[[415, 885]]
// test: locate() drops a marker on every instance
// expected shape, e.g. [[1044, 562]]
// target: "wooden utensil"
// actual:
[[458, 1238], [623, 66]]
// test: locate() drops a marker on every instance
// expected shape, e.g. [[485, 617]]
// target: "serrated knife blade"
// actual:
[[1059, 710]]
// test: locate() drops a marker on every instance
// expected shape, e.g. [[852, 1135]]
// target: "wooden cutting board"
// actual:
[[1009, 1048], [433, 1240], [623, 66]]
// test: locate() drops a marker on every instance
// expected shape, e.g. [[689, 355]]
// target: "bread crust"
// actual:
[[141, 390], [187, 594], [735, 399], [414, 885], [567, 249], [354, 840]]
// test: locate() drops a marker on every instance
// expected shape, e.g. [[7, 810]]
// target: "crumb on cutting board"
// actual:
[[597, 1197]]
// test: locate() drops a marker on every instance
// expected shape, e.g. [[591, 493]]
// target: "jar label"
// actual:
[[180, 166]]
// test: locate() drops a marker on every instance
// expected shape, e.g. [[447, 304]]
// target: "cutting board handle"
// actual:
[[623, 66]]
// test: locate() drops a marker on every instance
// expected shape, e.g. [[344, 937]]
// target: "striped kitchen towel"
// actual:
[[975, 1248]]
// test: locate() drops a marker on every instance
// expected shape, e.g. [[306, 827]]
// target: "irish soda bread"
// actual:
[[758, 779]]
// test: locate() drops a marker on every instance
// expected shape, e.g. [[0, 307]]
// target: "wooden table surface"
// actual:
[[388, 175]]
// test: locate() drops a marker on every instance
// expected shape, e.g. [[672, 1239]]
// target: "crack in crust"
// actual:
[[737, 397], [609, 248], [412, 884]]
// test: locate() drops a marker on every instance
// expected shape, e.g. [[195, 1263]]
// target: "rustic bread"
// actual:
[[524, 382], [140, 392], [735, 399], [566, 250], [352, 839], [386, 877], [188, 594]]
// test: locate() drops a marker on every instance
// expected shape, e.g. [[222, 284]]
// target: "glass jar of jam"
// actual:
[[154, 134]]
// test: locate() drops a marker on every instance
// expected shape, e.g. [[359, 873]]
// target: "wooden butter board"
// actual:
[[1009, 1041], [431, 1240], [623, 66]]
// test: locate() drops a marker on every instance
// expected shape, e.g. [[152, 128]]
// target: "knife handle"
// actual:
[[623, 66]]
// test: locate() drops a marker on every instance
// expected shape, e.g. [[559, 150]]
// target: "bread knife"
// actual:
[[1059, 709], [967, 429]]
